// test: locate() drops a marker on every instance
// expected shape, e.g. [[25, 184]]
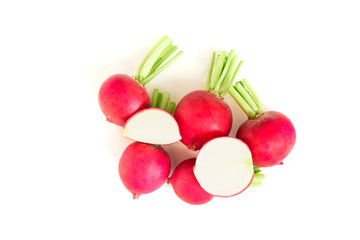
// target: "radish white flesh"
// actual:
[[152, 125], [224, 167]]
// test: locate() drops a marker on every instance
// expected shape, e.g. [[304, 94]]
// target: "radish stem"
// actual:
[[235, 73], [256, 97], [246, 97], [242, 103], [167, 53], [161, 100], [137, 75], [158, 101], [222, 72], [171, 107], [160, 69], [145, 70], [256, 182], [229, 76], [218, 68], [154, 61], [154, 98], [164, 100]]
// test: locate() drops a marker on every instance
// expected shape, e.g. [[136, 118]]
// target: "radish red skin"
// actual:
[[202, 116], [120, 96], [143, 168], [185, 185], [270, 137]]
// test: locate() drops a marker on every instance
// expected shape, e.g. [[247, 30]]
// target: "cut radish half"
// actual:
[[224, 166], [152, 125]]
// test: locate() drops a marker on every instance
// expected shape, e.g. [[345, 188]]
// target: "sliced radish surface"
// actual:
[[224, 167], [152, 125]]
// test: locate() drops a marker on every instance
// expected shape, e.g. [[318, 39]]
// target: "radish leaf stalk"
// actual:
[[246, 97], [162, 100], [155, 62], [256, 182], [222, 71]]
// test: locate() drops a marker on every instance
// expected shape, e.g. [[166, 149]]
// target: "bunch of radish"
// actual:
[[224, 166]]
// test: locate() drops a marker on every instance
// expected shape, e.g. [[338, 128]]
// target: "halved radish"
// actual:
[[152, 125], [224, 166]]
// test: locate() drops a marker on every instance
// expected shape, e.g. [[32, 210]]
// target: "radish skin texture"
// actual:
[[202, 116], [120, 96], [185, 185], [270, 137], [143, 168]]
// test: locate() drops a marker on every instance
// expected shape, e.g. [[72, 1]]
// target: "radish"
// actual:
[[143, 168], [203, 115], [185, 185], [270, 135], [154, 125], [224, 167], [120, 96]]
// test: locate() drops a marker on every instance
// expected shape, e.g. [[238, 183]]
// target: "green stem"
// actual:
[[207, 88], [256, 97], [164, 101], [242, 103], [158, 101], [257, 169], [171, 107], [167, 53], [256, 182], [137, 75], [161, 100], [154, 61], [162, 68], [229, 76], [235, 73], [246, 96], [154, 98], [218, 68], [154, 57], [222, 72]]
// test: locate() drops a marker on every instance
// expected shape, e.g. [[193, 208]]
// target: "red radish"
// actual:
[[203, 115], [143, 168], [270, 135], [114, 98], [120, 96], [224, 167], [185, 185], [154, 125]]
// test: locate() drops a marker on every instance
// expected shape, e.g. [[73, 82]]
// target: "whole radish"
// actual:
[[143, 168], [185, 185], [203, 115], [114, 98], [120, 96], [270, 135]]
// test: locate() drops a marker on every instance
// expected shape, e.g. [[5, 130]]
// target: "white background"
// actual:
[[58, 155]]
